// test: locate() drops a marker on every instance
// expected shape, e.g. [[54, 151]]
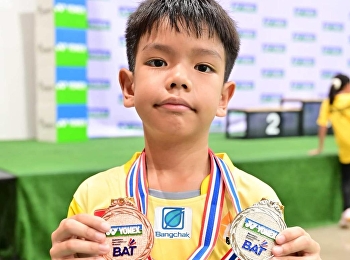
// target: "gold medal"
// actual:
[[131, 234], [254, 230]]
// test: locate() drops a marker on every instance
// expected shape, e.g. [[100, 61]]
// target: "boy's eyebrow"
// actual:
[[202, 52], [160, 47], [169, 50]]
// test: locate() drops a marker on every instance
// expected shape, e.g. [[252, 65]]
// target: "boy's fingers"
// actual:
[[85, 226], [295, 241], [93, 222], [74, 246], [289, 234]]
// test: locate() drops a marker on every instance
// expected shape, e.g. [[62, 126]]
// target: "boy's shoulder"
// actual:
[[117, 173], [250, 188], [96, 192]]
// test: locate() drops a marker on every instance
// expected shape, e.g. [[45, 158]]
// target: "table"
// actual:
[[263, 122]]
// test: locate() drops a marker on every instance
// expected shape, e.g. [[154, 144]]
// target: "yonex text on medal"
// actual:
[[127, 230], [260, 229]]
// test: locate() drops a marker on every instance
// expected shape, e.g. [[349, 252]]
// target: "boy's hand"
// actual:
[[295, 243], [82, 235]]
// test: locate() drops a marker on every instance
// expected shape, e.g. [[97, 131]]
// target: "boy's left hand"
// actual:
[[295, 243]]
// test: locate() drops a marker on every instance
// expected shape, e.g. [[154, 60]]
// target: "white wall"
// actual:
[[17, 75]]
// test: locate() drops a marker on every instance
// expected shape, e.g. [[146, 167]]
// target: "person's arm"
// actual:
[[322, 122], [322, 132]]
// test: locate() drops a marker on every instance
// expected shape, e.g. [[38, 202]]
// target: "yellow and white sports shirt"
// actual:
[[338, 114], [94, 196]]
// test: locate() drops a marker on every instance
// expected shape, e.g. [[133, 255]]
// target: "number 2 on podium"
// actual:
[[273, 121]]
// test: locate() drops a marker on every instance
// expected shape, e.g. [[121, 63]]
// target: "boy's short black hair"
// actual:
[[192, 15]]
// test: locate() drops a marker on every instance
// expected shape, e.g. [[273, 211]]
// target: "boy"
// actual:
[[180, 56]]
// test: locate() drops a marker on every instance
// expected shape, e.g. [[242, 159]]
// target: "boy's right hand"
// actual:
[[81, 234]]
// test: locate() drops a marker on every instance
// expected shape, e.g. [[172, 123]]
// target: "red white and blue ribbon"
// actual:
[[136, 183], [230, 255], [221, 180]]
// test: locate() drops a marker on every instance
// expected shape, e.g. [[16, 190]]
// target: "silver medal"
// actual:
[[253, 231]]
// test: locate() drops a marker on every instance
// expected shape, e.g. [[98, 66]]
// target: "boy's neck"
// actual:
[[176, 168]]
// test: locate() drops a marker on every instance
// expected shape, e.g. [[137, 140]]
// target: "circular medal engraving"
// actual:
[[131, 234], [253, 231]]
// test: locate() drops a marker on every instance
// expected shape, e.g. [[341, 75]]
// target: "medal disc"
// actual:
[[253, 231], [131, 234]]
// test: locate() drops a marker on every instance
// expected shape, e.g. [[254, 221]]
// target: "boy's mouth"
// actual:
[[173, 103]]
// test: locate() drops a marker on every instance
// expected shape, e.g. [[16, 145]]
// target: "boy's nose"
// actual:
[[178, 79], [173, 85]]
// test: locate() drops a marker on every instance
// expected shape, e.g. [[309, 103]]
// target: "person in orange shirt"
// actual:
[[336, 110]]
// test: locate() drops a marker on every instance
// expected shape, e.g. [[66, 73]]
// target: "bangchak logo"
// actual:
[[274, 48], [303, 61], [333, 27], [272, 73], [120, 99], [245, 60], [244, 85], [99, 84], [247, 34], [126, 11], [332, 50], [304, 37], [275, 23], [270, 97], [173, 223], [99, 25], [98, 112], [302, 85], [328, 74], [122, 41], [134, 125], [99, 54], [217, 126], [305, 12], [244, 7]]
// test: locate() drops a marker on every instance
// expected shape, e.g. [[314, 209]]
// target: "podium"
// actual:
[[294, 117], [264, 122], [309, 113]]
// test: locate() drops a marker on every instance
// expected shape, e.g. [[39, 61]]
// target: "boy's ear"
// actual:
[[226, 95], [126, 81]]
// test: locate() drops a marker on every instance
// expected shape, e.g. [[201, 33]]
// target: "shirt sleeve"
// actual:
[[74, 208]]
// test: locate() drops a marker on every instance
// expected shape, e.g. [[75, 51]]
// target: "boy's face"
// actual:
[[177, 86]]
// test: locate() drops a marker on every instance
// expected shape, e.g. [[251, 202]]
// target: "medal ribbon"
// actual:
[[230, 255], [220, 180], [136, 184]]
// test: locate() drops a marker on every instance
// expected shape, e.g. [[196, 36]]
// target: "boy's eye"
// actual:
[[156, 63], [203, 68]]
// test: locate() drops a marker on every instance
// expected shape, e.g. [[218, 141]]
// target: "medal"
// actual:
[[131, 234], [253, 231]]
